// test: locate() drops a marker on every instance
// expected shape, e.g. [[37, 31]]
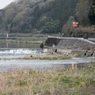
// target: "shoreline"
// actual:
[[49, 56]]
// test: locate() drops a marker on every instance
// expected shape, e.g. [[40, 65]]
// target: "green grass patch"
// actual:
[[78, 56], [88, 55], [69, 48], [48, 82]]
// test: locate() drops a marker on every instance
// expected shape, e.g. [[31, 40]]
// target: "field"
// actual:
[[49, 82]]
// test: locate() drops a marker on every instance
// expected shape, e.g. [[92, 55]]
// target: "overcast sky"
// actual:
[[4, 3]]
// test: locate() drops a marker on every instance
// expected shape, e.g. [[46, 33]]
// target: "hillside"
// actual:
[[85, 13], [30, 16]]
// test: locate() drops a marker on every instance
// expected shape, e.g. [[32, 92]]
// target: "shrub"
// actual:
[[42, 46]]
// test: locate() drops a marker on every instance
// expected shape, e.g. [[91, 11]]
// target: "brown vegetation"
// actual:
[[49, 56], [48, 82]]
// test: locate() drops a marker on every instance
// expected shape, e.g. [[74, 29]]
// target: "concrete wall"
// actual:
[[69, 43], [83, 52], [71, 51], [91, 39]]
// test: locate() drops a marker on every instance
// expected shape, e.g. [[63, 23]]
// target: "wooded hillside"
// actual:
[[30, 16], [48, 16], [85, 14]]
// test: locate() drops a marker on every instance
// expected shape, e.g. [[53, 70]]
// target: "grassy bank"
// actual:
[[56, 56], [50, 56], [25, 40], [49, 82]]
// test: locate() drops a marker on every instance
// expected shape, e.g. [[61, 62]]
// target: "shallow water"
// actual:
[[7, 65], [18, 52], [18, 45], [41, 64]]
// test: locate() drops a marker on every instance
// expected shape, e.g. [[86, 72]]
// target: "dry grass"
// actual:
[[48, 82], [49, 56]]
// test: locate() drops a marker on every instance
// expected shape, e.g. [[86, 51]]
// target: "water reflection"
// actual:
[[18, 45], [7, 45], [80, 65], [74, 66]]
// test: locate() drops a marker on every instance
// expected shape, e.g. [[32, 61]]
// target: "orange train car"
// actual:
[[75, 24]]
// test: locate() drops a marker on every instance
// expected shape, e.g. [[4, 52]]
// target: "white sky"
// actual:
[[4, 3]]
